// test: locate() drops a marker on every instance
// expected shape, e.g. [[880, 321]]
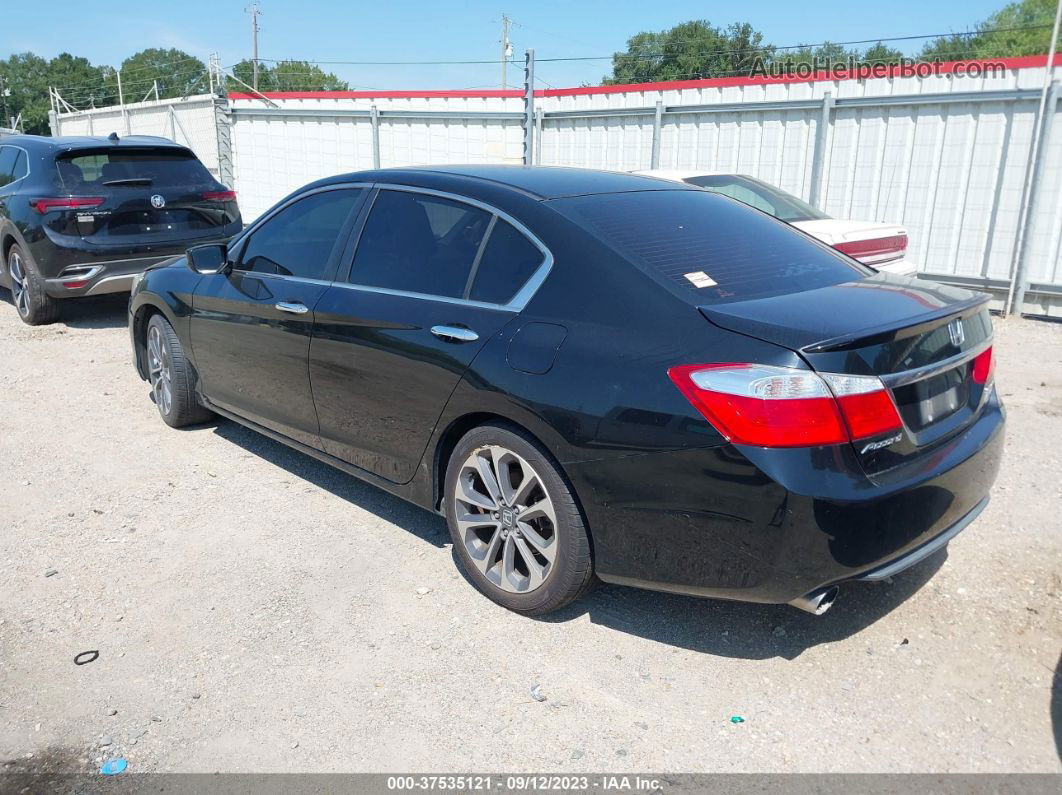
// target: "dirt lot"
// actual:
[[255, 610]]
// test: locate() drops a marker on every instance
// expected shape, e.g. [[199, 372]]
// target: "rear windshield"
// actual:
[[132, 168], [759, 195], [710, 248]]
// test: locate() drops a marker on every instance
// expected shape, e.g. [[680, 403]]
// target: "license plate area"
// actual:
[[933, 399]]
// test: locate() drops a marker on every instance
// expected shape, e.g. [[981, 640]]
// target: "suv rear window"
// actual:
[[710, 248], [116, 168]]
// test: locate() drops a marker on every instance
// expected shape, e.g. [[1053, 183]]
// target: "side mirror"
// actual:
[[209, 258]]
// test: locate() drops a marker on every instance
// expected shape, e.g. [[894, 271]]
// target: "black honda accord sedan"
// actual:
[[592, 375]]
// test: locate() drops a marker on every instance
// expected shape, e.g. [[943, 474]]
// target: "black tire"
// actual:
[[182, 407], [570, 574], [34, 306]]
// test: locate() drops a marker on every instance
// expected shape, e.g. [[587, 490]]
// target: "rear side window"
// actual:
[[419, 243], [298, 240], [117, 168], [507, 263], [709, 248], [8, 156]]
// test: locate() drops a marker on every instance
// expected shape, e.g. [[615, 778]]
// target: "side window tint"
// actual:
[[508, 262], [7, 163], [298, 241], [419, 243], [21, 166]]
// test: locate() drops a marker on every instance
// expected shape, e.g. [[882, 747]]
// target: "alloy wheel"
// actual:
[[506, 519], [159, 370], [19, 288]]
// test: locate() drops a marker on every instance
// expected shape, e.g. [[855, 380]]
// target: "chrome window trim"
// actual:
[[893, 380], [515, 304]]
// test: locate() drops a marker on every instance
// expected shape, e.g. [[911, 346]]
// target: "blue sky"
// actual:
[[334, 30]]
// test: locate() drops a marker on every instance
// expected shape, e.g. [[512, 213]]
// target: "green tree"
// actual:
[[288, 76], [25, 75], [828, 55], [178, 73], [990, 39], [691, 50]]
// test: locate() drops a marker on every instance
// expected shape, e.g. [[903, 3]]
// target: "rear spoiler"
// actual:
[[846, 315]]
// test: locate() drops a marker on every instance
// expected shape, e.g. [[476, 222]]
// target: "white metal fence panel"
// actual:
[[189, 122], [945, 155]]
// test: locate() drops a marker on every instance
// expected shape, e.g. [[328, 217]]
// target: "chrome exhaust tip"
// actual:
[[817, 602]]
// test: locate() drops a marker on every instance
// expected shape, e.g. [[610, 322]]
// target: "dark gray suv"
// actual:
[[83, 216]]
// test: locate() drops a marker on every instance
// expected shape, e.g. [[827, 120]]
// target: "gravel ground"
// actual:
[[255, 610]]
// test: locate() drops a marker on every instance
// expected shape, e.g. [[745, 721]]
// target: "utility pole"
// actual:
[[254, 12], [506, 49], [529, 107]]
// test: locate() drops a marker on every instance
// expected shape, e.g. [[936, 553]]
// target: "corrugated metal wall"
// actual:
[[189, 122], [946, 155]]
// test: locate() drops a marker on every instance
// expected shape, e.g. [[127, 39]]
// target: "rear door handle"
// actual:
[[293, 308], [454, 333]]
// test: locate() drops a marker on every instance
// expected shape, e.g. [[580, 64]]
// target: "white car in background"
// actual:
[[881, 246]]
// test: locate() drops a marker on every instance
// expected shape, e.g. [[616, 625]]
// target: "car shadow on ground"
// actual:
[[101, 311], [423, 524], [744, 629], [721, 628]]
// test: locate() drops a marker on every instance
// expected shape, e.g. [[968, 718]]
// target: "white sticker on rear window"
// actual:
[[700, 279]]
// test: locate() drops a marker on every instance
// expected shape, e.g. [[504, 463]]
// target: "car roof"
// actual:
[[73, 142], [539, 182]]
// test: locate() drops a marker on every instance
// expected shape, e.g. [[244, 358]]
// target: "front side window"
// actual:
[[419, 243], [299, 240]]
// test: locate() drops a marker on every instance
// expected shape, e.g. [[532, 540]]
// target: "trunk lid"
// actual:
[[920, 338]]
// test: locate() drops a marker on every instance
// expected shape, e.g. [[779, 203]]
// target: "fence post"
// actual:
[[658, 118], [1021, 268], [819, 157], [539, 120], [223, 133], [173, 123], [374, 117], [53, 123], [529, 107]]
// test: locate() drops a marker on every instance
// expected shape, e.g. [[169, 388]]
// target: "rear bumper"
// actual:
[[100, 277], [771, 525]]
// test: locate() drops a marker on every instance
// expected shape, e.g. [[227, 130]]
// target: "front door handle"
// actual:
[[293, 308], [454, 333]]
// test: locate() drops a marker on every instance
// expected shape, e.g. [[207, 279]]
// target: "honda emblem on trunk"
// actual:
[[158, 202], [956, 332]]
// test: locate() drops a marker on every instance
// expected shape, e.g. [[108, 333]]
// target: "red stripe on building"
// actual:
[[948, 67]]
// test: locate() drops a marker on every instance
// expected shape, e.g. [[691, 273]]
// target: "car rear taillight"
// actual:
[[220, 196], [769, 406], [65, 203], [983, 367], [876, 250]]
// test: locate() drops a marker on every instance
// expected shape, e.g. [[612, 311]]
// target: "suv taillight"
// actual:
[[65, 203], [220, 196], [767, 406]]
